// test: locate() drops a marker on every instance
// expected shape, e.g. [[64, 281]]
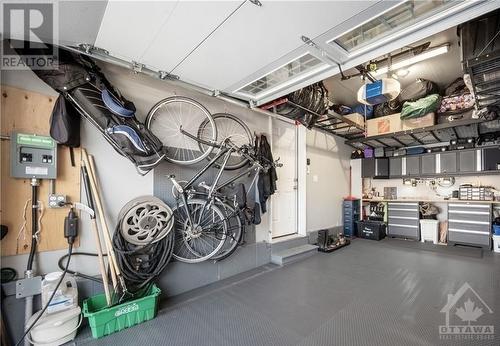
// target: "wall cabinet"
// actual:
[[459, 162], [428, 164], [467, 161], [375, 168], [491, 159], [395, 167], [448, 162], [413, 166]]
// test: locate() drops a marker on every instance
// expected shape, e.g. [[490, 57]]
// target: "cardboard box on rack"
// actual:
[[416, 123], [383, 125], [357, 118]]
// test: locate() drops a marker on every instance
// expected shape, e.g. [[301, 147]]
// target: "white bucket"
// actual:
[[55, 329], [496, 243], [429, 230]]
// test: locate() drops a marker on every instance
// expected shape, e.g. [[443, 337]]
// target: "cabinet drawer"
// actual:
[[404, 231], [403, 213], [466, 217], [469, 209], [469, 226], [469, 238], [409, 205]]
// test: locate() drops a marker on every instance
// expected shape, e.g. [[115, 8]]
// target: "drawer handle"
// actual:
[[468, 212], [467, 231], [403, 217], [470, 222], [399, 225], [466, 205]]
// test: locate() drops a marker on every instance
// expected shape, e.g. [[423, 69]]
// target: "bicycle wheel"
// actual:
[[234, 232], [228, 126], [201, 240], [169, 116]]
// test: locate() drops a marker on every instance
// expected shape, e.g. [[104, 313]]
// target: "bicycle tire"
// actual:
[[185, 248], [181, 149], [232, 240], [229, 126]]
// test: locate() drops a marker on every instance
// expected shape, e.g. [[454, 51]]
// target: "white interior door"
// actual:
[[284, 200]]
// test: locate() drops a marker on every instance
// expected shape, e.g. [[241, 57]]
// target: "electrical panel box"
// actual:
[[33, 156]]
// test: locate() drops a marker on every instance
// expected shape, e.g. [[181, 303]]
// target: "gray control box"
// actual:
[[32, 156]]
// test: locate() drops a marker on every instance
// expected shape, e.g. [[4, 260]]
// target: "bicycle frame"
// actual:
[[225, 152]]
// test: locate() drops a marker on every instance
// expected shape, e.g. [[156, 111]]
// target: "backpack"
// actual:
[[65, 123], [417, 90]]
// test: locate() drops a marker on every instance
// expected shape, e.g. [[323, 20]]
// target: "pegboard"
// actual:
[[29, 112]]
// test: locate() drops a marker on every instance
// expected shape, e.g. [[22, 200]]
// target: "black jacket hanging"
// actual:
[[268, 178]]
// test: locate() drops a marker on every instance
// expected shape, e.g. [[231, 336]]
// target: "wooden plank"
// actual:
[[26, 111]]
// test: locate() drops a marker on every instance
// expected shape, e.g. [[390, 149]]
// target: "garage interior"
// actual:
[[250, 172]]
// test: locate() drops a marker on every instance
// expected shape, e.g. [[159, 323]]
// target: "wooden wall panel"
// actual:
[[25, 111]]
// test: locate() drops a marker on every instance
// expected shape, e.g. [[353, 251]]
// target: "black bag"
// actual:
[[86, 88], [125, 133], [65, 123], [387, 108], [237, 194], [457, 87], [417, 90]]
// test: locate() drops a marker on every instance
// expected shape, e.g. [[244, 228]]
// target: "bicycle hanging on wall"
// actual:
[[208, 224]]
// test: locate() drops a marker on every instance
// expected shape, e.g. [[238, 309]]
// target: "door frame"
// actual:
[[301, 175]]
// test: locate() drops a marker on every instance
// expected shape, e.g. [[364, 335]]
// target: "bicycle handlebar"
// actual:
[[242, 150]]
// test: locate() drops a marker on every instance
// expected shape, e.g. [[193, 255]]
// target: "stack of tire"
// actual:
[[313, 97]]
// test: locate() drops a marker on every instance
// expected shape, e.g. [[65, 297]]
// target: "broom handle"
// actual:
[[95, 231], [101, 261], [97, 200], [107, 237]]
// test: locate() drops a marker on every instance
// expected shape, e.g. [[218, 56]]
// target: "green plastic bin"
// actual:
[[104, 321]]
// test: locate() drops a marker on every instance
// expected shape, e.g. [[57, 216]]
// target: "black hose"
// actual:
[[34, 225], [82, 275], [141, 265]]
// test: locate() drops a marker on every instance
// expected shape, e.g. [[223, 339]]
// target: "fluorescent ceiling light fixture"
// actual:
[[430, 53]]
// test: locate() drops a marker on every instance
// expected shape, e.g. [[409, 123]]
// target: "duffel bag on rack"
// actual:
[[417, 90], [420, 107]]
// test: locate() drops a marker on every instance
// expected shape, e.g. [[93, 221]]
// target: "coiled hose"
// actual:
[[141, 265]]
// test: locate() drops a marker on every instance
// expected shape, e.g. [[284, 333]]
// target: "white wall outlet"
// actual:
[[57, 201]]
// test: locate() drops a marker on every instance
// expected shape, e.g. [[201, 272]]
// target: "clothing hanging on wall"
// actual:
[[266, 183]]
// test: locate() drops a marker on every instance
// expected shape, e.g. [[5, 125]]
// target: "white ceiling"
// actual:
[[442, 70], [159, 34], [256, 36], [224, 45]]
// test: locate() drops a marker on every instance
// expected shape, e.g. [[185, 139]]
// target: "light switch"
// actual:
[[315, 178]]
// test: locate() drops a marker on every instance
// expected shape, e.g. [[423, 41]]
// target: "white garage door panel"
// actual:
[[189, 24], [256, 36], [128, 27]]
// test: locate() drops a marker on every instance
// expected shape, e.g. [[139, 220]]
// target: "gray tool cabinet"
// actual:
[[403, 220], [469, 224]]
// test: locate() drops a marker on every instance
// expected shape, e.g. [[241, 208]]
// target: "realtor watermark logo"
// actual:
[[30, 35], [465, 315]]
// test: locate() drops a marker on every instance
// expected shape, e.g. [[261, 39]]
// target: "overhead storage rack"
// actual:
[[331, 123], [469, 128]]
